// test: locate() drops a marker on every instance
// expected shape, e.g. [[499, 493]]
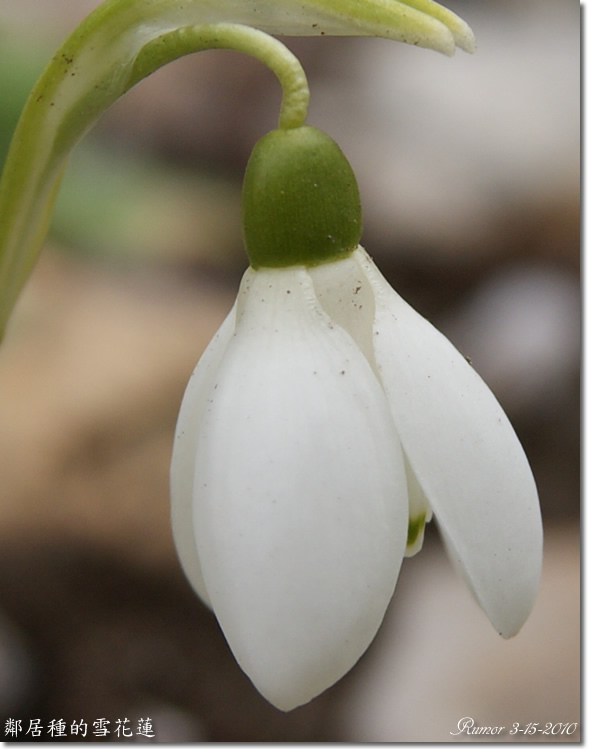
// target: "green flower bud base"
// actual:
[[301, 204]]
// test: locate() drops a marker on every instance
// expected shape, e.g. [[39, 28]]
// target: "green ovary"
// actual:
[[301, 204]]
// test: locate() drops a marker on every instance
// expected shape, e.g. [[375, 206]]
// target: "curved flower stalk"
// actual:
[[123, 41], [322, 427]]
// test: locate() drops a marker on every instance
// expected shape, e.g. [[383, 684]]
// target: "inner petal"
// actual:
[[420, 512], [346, 295]]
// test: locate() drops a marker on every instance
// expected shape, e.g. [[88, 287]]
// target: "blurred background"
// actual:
[[469, 172]]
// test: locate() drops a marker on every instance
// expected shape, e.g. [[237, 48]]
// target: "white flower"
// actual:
[[321, 427]]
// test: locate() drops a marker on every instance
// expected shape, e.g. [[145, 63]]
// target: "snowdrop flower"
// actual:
[[322, 427]]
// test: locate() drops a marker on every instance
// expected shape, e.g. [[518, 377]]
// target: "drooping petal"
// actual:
[[465, 456], [197, 393], [300, 493]]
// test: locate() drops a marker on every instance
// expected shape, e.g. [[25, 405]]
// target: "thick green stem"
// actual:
[[67, 101], [122, 41]]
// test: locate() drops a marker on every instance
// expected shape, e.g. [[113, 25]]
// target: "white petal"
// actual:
[[465, 456], [345, 293], [184, 451], [300, 494]]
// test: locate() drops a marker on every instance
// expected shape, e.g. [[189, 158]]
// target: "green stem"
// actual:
[[76, 87], [265, 48], [122, 41]]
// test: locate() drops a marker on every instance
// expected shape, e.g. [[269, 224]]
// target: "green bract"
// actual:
[[301, 204]]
